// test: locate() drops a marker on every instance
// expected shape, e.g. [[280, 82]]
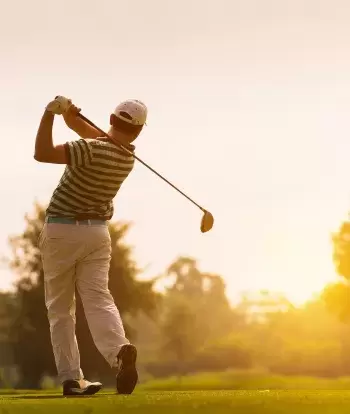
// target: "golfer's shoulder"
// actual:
[[95, 142], [103, 147], [98, 144]]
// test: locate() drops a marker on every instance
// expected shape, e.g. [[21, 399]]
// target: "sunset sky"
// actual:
[[249, 105]]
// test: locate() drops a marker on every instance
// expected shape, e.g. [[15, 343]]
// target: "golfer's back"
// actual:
[[95, 171]]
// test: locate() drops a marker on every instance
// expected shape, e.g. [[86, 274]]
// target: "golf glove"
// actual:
[[59, 105]]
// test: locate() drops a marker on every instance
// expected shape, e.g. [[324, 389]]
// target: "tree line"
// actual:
[[189, 326]]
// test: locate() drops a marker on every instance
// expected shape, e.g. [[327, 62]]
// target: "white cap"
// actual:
[[132, 111]]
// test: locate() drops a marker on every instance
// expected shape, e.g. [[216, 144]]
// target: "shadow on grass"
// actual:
[[51, 396], [29, 397]]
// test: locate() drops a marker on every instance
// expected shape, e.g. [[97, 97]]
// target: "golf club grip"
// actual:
[[139, 159]]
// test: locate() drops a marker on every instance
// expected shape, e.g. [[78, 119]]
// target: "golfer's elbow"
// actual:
[[39, 157]]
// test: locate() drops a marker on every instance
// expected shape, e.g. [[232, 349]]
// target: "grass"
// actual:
[[245, 380], [227, 392], [171, 402]]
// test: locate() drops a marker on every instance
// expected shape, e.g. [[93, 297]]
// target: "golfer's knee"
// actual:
[[59, 315], [60, 319], [92, 292], [96, 299]]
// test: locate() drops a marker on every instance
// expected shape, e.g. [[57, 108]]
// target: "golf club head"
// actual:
[[207, 222]]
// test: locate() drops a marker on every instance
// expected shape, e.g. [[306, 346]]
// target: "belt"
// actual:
[[66, 220]]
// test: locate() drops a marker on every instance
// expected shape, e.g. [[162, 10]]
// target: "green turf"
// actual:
[[204, 402], [244, 380]]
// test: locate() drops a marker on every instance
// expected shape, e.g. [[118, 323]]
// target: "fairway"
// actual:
[[185, 402]]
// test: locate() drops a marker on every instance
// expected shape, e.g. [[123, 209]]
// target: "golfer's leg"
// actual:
[[102, 315], [59, 282]]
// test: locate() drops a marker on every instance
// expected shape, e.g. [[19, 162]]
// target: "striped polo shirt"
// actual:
[[96, 168]]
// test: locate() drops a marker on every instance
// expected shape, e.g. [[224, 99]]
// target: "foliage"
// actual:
[[194, 310], [337, 295]]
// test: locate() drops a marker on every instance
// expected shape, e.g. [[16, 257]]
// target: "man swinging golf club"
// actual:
[[75, 243]]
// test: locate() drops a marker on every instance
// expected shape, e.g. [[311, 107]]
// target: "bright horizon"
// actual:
[[248, 114]]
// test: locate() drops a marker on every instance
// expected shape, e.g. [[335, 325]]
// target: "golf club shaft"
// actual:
[[142, 162]]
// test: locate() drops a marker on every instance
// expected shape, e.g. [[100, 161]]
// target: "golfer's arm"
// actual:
[[83, 129], [45, 151], [44, 142]]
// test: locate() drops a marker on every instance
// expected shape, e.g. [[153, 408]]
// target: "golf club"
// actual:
[[207, 221]]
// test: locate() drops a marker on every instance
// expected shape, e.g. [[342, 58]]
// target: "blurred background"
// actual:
[[248, 113]]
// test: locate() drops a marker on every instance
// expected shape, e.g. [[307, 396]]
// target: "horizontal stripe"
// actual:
[[112, 159], [111, 167], [92, 180], [66, 198], [61, 206], [74, 197], [72, 189], [66, 201], [105, 179], [85, 190], [112, 170], [111, 148], [85, 187], [107, 171], [56, 207], [110, 179]]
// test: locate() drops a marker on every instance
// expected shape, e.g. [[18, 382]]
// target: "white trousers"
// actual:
[[79, 256]]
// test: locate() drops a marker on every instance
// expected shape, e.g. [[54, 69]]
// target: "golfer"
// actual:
[[75, 243]]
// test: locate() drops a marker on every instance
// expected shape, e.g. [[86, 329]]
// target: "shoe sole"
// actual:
[[127, 376], [89, 390]]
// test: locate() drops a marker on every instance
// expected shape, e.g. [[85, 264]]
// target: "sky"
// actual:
[[248, 105]]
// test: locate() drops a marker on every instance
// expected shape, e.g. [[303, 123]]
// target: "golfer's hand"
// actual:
[[59, 105], [71, 114]]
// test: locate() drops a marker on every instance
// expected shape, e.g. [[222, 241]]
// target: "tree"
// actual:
[[29, 333], [7, 310], [337, 295], [178, 331], [341, 250], [194, 311], [206, 297], [30, 330]]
